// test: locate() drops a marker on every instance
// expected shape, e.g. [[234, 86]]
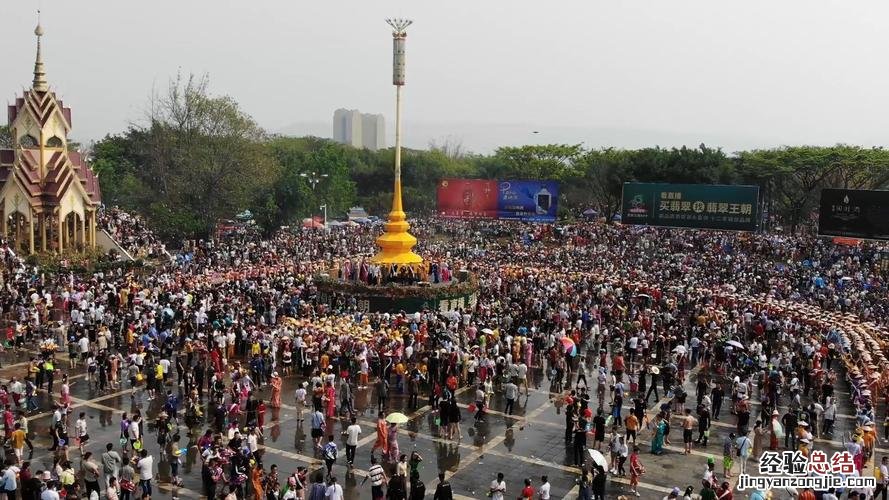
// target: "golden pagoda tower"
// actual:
[[396, 243]]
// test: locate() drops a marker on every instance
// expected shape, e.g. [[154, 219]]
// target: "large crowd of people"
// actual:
[[132, 233], [762, 324]]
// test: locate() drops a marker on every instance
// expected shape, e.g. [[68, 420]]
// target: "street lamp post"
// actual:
[[314, 178]]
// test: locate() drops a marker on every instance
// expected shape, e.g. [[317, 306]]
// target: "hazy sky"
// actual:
[[626, 73]]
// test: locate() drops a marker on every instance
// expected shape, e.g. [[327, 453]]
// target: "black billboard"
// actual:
[[854, 213]]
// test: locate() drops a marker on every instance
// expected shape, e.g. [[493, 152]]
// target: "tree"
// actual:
[[116, 163], [292, 195], [795, 174], [198, 159], [551, 161], [451, 147], [604, 174], [6, 139]]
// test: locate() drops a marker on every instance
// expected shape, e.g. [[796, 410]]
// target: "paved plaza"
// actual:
[[528, 444]]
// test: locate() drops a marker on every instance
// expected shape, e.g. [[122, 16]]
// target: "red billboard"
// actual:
[[467, 198]]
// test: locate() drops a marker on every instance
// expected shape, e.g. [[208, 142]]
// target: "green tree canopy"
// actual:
[[199, 158]]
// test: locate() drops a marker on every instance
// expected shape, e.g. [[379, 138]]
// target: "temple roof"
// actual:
[[41, 105], [62, 170]]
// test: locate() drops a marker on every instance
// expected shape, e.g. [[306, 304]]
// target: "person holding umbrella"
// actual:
[[393, 419]]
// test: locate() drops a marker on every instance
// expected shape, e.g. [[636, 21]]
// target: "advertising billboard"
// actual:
[[854, 213], [528, 200], [701, 206], [467, 198]]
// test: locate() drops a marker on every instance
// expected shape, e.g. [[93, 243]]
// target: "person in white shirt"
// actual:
[[84, 344], [10, 482], [300, 397], [470, 369], [133, 432], [543, 491], [81, 432], [377, 477], [50, 493], [522, 374], [334, 491], [498, 487], [17, 389], [145, 466], [165, 366], [253, 440], [352, 432], [883, 482]]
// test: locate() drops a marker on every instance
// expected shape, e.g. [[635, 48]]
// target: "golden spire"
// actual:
[[39, 84], [396, 243]]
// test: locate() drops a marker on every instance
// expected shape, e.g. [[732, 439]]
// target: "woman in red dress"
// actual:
[[276, 390], [260, 415], [330, 400]]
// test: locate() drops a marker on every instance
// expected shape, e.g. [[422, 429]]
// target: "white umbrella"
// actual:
[[598, 458], [735, 343], [397, 418], [487, 331]]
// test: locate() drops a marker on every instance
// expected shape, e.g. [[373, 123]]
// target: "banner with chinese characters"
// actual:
[[536, 201], [467, 198], [854, 213], [527, 200], [702, 206]]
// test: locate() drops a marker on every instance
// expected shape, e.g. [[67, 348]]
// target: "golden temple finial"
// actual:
[[39, 83]]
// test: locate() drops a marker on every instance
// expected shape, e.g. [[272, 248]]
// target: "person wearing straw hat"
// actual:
[[275, 382]]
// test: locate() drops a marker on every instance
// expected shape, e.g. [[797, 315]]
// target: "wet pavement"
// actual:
[[528, 444]]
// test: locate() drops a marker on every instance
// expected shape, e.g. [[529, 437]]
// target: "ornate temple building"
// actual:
[[48, 194]]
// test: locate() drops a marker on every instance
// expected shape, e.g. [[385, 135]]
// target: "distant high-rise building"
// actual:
[[373, 132], [359, 130]]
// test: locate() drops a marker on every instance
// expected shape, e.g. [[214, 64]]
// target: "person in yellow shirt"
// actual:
[[399, 377], [632, 423], [804, 446], [869, 437], [157, 382], [18, 438]]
